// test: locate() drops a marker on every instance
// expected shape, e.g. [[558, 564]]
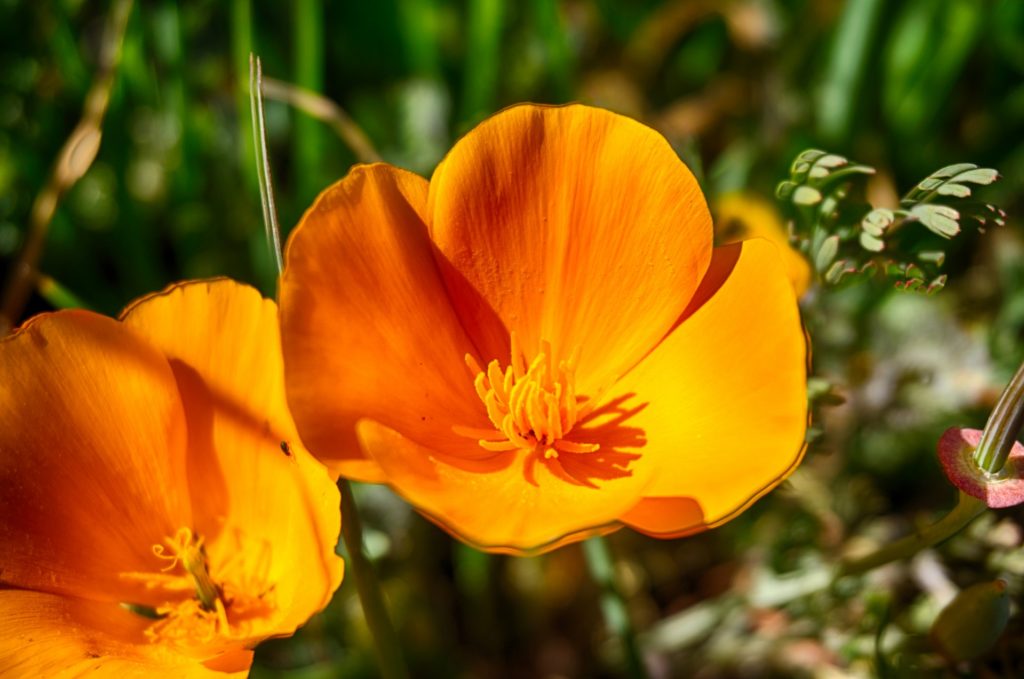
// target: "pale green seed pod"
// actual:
[[973, 621]]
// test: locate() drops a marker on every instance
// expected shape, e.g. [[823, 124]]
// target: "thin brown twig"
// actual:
[[74, 159], [326, 111]]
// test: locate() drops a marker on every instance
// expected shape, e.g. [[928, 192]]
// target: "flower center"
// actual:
[[211, 609], [532, 407]]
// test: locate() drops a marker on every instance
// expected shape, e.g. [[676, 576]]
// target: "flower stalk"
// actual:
[[990, 455], [613, 605], [1003, 426], [385, 641], [966, 510]]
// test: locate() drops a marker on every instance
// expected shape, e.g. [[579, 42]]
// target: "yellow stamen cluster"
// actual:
[[532, 407], [217, 608]]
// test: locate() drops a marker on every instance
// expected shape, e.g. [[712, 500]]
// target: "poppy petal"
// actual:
[[92, 456], [256, 490], [571, 225], [367, 326], [666, 517], [46, 635], [504, 504], [725, 393]]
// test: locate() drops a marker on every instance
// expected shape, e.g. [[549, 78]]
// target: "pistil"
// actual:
[[203, 615], [188, 550]]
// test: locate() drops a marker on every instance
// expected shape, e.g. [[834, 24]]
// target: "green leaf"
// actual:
[[785, 189], [826, 253], [809, 156], [850, 169], [798, 173], [805, 195], [871, 243], [877, 221], [937, 284], [831, 160], [836, 272], [939, 219], [981, 175], [952, 170], [956, 190]]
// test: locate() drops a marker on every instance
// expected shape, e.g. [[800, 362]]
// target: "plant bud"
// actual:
[[973, 621]]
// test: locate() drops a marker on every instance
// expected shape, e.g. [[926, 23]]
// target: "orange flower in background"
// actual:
[[540, 344], [741, 216], [160, 515]]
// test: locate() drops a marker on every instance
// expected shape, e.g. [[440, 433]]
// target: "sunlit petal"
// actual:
[[92, 456], [571, 225], [725, 391], [255, 487], [368, 328]]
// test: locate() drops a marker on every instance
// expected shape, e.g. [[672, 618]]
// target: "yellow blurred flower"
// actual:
[[741, 216]]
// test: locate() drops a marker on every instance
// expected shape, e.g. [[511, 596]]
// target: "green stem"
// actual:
[[558, 52], [852, 49], [57, 295], [417, 22], [264, 174], [613, 605], [241, 48], [308, 17], [997, 441], [485, 21], [1003, 426], [967, 509], [385, 641]]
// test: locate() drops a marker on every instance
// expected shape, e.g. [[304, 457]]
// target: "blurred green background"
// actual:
[[738, 88]]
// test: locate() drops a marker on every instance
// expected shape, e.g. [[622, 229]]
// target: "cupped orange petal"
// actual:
[[368, 330], [570, 225], [92, 456], [516, 503], [267, 509], [666, 517], [46, 635], [722, 400]]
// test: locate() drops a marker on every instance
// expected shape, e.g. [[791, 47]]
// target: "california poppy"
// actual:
[[540, 344], [161, 516]]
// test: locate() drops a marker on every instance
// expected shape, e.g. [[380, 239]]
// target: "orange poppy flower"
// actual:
[[153, 523], [740, 216], [539, 344]]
